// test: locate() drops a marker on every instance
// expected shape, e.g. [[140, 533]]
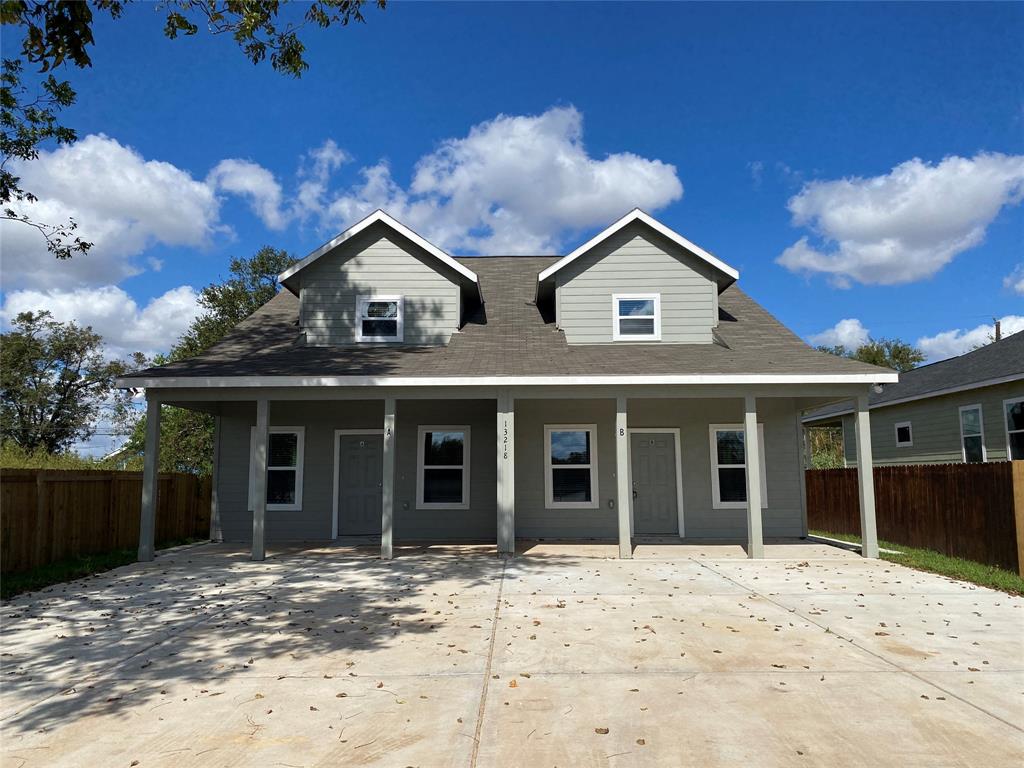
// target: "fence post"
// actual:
[[1018, 510]]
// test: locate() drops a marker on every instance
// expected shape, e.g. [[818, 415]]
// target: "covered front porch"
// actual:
[[625, 465]]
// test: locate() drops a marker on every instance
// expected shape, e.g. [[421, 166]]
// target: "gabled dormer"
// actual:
[[380, 283], [636, 282]]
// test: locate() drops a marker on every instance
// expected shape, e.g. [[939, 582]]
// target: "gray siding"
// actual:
[[782, 517], [380, 262], [320, 420], [936, 427], [637, 260]]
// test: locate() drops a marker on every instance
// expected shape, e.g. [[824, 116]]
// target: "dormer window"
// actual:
[[637, 317], [379, 318]]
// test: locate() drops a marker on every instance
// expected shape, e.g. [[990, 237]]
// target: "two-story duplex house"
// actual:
[[629, 388]]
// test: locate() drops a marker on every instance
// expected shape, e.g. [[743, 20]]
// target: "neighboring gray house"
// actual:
[[968, 408], [629, 388]]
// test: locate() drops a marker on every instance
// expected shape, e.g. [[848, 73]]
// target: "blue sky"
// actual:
[[878, 150]]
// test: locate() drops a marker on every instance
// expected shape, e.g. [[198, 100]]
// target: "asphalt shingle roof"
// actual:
[[507, 336], [999, 360]]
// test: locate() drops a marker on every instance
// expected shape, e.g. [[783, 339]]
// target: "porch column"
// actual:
[[865, 479], [150, 468], [388, 481], [752, 454], [259, 468], [216, 532], [506, 474], [625, 493]]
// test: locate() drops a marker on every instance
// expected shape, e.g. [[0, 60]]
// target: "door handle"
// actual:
[[634, 493]]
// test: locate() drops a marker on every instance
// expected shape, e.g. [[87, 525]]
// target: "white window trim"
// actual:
[[420, 457], [299, 462], [896, 434], [1006, 422], [716, 490], [616, 317], [549, 496], [981, 430], [362, 301]]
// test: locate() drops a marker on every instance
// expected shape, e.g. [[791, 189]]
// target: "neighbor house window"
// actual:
[[637, 317], [904, 434], [570, 455], [729, 466], [972, 435], [379, 318], [284, 467], [1014, 412], [442, 479]]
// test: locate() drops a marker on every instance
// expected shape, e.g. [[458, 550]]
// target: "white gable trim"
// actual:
[[403, 230], [637, 215]]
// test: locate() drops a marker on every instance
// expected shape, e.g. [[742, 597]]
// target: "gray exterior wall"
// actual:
[[782, 517], [637, 260], [935, 423], [379, 262]]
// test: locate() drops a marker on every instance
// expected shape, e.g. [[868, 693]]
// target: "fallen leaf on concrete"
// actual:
[[602, 731]]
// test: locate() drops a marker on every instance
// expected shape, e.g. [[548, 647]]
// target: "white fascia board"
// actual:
[[637, 215], [373, 218], [130, 382], [926, 395]]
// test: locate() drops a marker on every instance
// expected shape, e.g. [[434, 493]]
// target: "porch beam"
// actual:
[[506, 474], [388, 482], [150, 470], [752, 454], [259, 468], [625, 493], [865, 479]]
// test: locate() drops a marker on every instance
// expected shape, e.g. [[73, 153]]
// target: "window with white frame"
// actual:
[[442, 475], [380, 318], [570, 457], [285, 447], [972, 434], [1013, 410], [904, 434], [729, 466], [637, 317]]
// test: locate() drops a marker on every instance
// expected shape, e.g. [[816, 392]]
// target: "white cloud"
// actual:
[[247, 179], [956, 342], [902, 226], [124, 325], [514, 184], [849, 333], [1015, 280], [122, 202]]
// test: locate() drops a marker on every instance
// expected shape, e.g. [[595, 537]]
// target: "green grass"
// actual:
[[944, 565], [12, 584]]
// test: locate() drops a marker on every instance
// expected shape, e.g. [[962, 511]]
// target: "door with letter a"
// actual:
[[360, 465], [655, 494]]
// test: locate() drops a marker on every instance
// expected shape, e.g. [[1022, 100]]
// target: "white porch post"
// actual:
[[506, 474], [625, 493], [216, 532], [259, 468], [150, 468], [866, 480], [752, 453], [388, 481]]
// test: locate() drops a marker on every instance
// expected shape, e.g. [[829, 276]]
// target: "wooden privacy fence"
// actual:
[[974, 511], [49, 515]]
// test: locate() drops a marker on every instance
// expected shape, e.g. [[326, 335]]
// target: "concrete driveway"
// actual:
[[559, 657]]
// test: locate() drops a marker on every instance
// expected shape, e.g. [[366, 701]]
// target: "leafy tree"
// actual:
[[826, 446], [186, 437], [59, 32], [54, 380], [888, 353]]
